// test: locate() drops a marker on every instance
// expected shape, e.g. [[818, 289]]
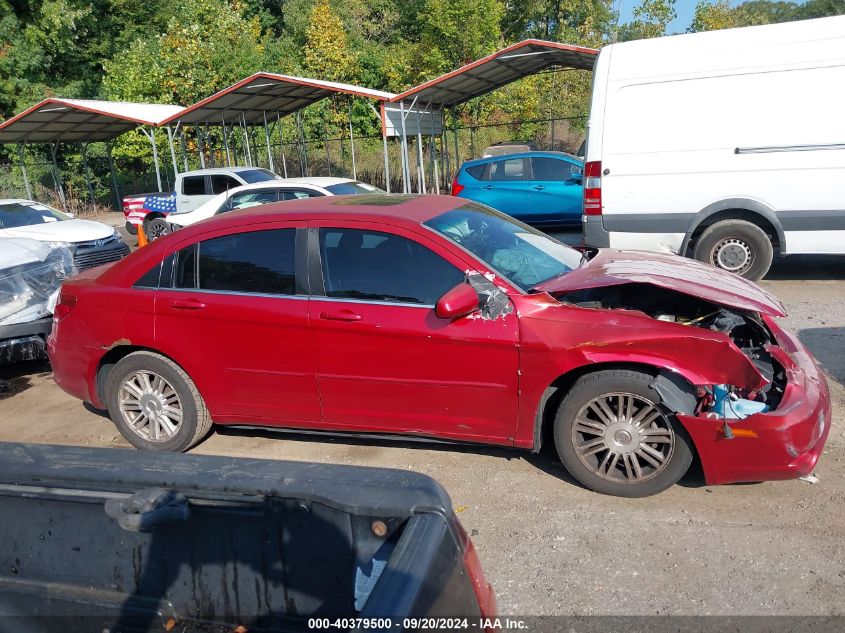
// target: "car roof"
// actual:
[[318, 181], [220, 170], [407, 209], [550, 154]]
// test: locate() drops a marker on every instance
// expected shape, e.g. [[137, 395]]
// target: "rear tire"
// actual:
[[131, 229], [615, 437], [156, 228], [737, 246], [154, 404]]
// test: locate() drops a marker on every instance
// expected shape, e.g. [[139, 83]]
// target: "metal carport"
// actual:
[[251, 100], [476, 79], [53, 121]]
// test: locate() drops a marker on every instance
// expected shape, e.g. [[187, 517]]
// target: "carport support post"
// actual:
[[455, 134], [406, 167], [152, 136], [420, 162], [282, 144], [226, 143], [199, 145], [434, 158], [57, 176], [184, 145], [113, 177], [87, 173], [26, 184], [246, 140], [172, 151], [352, 141], [267, 138]]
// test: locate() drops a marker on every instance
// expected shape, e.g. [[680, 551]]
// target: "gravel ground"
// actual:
[[551, 547]]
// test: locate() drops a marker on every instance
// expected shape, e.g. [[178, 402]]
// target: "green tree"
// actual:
[[327, 55], [650, 20], [209, 46], [711, 16], [820, 9], [455, 32]]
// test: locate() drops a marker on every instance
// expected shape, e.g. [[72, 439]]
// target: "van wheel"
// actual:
[[736, 246], [154, 404], [615, 437]]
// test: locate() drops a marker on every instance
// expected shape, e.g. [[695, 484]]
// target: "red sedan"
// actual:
[[439, 317]]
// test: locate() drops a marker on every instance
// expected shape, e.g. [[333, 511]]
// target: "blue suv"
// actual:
[[542, 188]]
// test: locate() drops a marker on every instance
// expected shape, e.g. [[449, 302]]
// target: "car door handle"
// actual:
[[187, 304], [539, 187], [488, 187], [340, 315]]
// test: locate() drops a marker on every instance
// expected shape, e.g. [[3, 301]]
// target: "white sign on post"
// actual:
[[427, 122]]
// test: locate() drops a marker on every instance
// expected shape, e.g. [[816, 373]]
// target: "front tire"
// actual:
[[154, 404], [736, 246], [615, 437]]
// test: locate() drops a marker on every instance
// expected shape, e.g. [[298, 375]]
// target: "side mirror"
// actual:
[[576, 174], [459, 301]]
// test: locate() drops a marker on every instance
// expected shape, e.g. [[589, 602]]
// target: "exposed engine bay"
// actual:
[[747, 331]]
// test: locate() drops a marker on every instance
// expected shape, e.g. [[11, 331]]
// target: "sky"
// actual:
[[684, 8]]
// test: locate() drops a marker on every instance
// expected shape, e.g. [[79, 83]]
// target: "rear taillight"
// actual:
[[457, 188], [483, 589], [592, 188], [63, 307]]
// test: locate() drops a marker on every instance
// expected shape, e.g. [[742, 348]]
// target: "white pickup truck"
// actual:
[[193, 188]]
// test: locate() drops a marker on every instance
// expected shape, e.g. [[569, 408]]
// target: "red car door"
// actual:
[[236, 319], [385, 361]]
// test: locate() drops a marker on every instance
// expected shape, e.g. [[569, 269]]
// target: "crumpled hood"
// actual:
[[612, 267], [64, 231]]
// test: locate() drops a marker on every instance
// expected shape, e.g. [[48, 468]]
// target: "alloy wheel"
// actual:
[[623, 437], [150, 406]]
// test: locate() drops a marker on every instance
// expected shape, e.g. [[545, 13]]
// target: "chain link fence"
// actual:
[[97, 183]]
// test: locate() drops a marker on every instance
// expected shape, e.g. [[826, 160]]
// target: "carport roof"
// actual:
[[499, 69], [267, 92], [68, 120]]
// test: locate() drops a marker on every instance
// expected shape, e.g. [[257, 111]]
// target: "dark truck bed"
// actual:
[[267, 545]]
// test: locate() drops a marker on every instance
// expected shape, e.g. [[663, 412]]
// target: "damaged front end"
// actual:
[[768, 424], [746, 330], [31, 275]]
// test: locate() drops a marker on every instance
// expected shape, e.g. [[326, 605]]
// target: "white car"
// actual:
[[90, 243], [31, 275], [261, 193]]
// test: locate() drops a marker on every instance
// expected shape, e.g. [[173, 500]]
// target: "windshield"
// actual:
[[257, 175], [518, 252], [15, 214], [353, 186]]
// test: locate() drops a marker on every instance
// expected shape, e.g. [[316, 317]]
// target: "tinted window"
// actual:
[[150, 278], [513, 249], [193, 186], [257, 175], [15, 214], [259, 261], [510, 169], [344, 188], [299, 194], [252, 198], [186, 268], [479, 172], [550, 169], [221, 183], [379, 266]]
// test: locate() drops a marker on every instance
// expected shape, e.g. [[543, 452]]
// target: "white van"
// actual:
[[727, 146]]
